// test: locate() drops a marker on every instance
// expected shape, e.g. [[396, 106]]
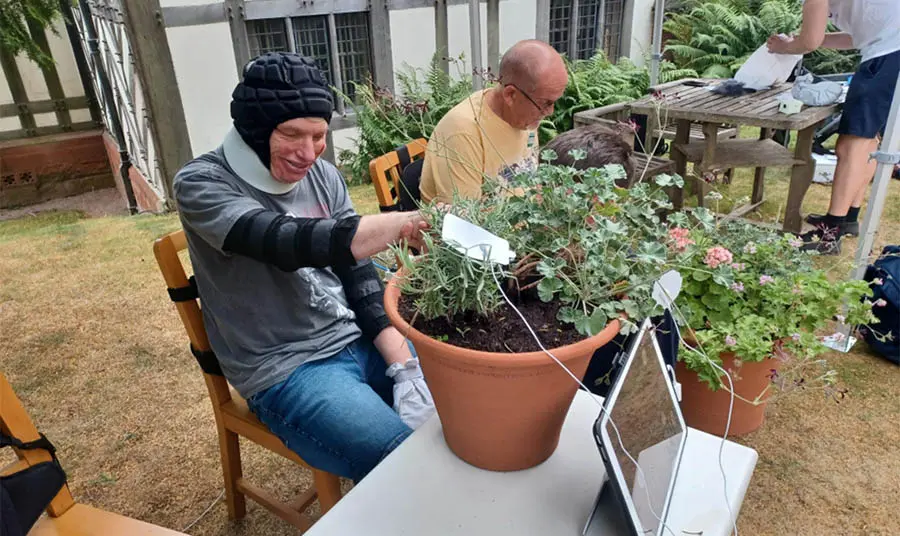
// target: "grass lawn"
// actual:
[[95, 350]]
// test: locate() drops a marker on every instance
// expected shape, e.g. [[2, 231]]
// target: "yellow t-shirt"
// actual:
[[472, 142]]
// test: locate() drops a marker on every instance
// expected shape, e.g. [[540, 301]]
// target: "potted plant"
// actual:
[[756, 306], [588, 254]]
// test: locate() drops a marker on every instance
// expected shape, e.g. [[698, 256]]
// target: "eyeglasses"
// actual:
[[545, 109]]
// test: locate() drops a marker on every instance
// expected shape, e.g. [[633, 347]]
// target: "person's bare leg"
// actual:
[[852, 174], [851, 179], [861, 196]]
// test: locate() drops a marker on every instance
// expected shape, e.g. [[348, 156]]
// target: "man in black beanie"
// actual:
[[291, 302]]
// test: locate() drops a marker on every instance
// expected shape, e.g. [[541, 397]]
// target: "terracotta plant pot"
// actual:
[[501, 412], [707, 410]]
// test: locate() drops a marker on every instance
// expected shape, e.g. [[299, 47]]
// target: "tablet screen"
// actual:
[[652, 431]]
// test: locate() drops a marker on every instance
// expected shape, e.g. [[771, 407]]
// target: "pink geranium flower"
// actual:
[[717, 255], [681, 236]]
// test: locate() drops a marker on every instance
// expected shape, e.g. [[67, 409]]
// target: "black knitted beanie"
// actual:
[[277, 87]]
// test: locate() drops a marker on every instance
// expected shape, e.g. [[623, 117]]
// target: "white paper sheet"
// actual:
[[763, 69], [476, 242]]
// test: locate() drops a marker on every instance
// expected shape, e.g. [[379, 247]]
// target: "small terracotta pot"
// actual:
[[501, 412], [707, 410]]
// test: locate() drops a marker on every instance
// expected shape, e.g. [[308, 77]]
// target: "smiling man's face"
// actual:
[[294, 147]]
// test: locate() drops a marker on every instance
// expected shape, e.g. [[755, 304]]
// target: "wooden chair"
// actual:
[[387, 169], [233, 417], [64, 515]]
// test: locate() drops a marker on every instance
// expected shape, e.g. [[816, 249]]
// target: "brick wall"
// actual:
[[33, 170], [146, 198]]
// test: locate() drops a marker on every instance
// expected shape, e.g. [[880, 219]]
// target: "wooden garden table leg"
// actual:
[[653, 123], [801, 178], [682, 136], [708, 163], [759, 176]]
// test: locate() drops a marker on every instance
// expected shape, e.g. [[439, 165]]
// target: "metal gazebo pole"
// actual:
[[887, 156], [658, 16]]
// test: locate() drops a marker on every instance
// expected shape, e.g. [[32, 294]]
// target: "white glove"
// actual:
[[412, 399]]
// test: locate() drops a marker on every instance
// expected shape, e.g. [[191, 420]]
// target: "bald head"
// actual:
[[532, 78], [529, 63]]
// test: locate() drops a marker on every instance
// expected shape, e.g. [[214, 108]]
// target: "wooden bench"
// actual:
[[65, 517], [646, 167]]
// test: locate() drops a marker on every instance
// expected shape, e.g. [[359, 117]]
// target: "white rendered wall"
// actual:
[[206, 73], [637, 30]]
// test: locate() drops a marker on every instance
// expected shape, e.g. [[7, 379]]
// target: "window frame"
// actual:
[[355, 22]]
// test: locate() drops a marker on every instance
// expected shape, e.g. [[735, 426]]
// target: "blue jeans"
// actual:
[[336, 413]]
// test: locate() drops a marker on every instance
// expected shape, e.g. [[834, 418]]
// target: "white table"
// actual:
[[423, 488]]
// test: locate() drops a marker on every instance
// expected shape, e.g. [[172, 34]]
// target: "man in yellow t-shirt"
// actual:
[[494, 132]]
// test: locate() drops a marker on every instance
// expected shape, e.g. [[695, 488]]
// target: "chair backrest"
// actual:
[[14, 421], [183, 293], [410, 196], [386, 172]]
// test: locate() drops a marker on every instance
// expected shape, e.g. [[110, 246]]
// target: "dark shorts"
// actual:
[[869, 98]]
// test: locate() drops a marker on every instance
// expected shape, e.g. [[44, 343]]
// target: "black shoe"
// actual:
[[849, 228], [823, 241]]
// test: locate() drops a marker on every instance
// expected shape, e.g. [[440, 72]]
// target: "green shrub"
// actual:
[[715, 37], [386, 120], [16, 16]]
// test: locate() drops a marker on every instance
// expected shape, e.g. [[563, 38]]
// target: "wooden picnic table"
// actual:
[[685, 104]]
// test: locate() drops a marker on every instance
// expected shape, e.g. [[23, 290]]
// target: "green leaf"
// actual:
[[548, 287], [546, 269], [699, 275], [664, 180], [566, 314], [652, 252], [583, 323], [678, 219], [704, 217], [722, 279], [631, 308], [597, 321]]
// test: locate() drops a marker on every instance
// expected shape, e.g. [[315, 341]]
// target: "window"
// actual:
[[560, 11], [615, 17], [586, 27], [266, 36], [312, 37], [354, 49]]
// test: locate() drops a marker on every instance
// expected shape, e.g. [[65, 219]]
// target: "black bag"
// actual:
[[25, 495], [884, 335], [607, 360]]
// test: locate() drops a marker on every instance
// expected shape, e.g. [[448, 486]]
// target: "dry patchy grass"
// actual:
[[95, 350]]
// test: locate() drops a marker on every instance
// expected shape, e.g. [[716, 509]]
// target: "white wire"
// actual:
[[730, 411], [194, 522], [569, 372]]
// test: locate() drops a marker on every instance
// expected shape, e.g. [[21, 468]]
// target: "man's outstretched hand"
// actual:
[[375, 233], [412, 231]]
